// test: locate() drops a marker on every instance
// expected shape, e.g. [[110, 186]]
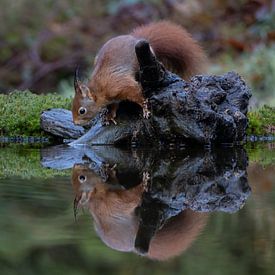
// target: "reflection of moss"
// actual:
[[25, 163], [20, 112], [262, 153], [262, 121]]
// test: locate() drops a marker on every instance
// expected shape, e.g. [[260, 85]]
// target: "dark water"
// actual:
[[107, 211]]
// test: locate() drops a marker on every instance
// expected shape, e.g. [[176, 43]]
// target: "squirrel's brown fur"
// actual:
[[174, 47], [113, 78]]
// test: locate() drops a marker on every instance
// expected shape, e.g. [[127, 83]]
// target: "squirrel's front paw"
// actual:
[[145, 180], [108, 119], [146, 112]]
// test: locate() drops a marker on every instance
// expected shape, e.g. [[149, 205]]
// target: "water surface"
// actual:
[[115, 211]]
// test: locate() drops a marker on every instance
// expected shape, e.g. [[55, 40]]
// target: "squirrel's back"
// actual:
[[174, 47], [115, 67]]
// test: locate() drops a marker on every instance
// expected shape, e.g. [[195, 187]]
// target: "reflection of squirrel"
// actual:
[[116, 220], [113, 210], [116, 65], [101, 194]]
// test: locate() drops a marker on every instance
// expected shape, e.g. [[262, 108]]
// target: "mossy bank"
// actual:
[[262, 121], [20, 114]]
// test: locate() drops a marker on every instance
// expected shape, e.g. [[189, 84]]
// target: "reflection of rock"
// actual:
[[114, 212], [199, 180], [130, 211], [205, 182]]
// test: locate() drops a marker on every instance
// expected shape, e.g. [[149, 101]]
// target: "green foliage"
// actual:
[[38, 34], [66, 88], [261, 80], [264, 25], [261, 121], [257, 68], [20, 112]]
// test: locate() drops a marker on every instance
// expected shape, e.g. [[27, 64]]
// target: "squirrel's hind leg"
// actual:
[[146, 112], [137, 97], [111, 115]]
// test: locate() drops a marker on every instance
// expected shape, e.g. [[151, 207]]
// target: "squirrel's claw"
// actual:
[[145, 179], [146, 112], [113, 120], [110, 116], [108, 120]]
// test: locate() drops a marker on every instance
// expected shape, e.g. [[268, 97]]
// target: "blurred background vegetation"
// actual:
[[41, 42]]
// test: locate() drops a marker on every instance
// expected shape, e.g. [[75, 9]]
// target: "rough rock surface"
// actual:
[[208, 109]]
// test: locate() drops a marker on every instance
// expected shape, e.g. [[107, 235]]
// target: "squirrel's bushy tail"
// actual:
[[174, 47]]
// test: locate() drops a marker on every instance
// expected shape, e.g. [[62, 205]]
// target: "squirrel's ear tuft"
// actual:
[[77, 83]]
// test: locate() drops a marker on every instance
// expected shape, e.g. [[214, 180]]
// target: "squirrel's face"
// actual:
[[85, 182], [83, 178], [84, 106]]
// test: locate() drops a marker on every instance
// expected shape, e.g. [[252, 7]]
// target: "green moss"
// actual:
[[262, 121], [20, 112]]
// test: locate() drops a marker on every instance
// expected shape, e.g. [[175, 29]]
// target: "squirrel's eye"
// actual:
[[82, 111], [82, 178]]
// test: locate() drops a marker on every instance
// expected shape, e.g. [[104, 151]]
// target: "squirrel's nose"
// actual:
[[77, 122]]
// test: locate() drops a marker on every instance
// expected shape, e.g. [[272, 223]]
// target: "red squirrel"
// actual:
[[115, 67]]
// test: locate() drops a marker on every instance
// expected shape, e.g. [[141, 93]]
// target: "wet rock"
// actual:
[[58, 122], [208, 109]]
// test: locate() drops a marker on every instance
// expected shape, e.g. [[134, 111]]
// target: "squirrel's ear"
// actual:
[[84, 91], [80, 88]]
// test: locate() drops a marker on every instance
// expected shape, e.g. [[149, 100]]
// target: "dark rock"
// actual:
[[209, 109]]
